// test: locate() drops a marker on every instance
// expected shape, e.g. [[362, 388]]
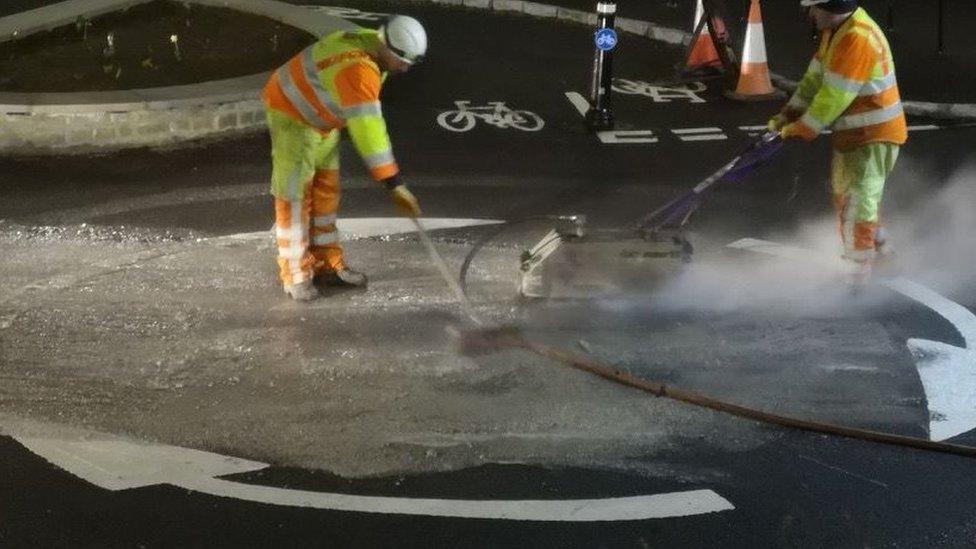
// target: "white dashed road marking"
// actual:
[[700, 134], [687, 135], [626, 136]]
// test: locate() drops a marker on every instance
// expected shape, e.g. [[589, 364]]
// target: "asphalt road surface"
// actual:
[[158, 389]]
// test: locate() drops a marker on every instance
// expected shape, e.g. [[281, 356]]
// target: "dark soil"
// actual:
[[213, 43]]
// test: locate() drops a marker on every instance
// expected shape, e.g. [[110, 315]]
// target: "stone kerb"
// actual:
[[38, 123]]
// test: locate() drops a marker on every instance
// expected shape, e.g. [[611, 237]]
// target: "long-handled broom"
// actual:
[[453, 284]]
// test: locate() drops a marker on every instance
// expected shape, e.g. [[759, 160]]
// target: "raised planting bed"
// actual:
[[157, 44]]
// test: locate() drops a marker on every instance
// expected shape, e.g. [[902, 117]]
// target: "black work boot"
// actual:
[[344, 277], [302, 291]]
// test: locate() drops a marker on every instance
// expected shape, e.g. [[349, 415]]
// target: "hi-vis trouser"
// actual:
[[857, 179], [306, 164]]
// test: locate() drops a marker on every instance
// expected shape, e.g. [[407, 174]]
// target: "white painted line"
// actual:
[[717, 137], [674, 504], [578, 101], [114, 463], [948, 373], [684, 134], [686, 131], [627, 136], [924, 128], [700, 134]]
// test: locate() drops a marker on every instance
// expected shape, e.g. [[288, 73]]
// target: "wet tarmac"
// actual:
[[138, 299]]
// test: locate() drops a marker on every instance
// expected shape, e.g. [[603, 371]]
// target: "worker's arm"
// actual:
[[845, 74], [359, 95], [805, 92], [800, 100]]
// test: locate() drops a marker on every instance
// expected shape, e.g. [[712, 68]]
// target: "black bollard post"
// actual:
[[600, 115]]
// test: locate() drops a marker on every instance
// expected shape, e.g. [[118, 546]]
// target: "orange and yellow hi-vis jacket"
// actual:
[[334, 84], [850, 87]]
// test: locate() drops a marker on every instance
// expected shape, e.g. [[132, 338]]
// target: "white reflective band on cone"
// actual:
[[755, 49], [606, 9]]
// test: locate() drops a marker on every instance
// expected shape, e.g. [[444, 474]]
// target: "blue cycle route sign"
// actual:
[[606, 39]]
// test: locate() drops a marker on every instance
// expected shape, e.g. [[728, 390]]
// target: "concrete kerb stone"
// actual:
[[29, 22], [508, 5], [576, 16], [97, 121], [479, 4], [539, 10]]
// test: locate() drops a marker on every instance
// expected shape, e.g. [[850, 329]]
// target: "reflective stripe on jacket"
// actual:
[[335, 84], [850, 87]]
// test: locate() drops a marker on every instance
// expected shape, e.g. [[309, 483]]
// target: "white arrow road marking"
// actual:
[[948, 373], [117, 464], [961, 318], [948, 376]]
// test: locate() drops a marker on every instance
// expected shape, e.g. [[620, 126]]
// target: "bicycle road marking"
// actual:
[[495, 113], [660, 93]]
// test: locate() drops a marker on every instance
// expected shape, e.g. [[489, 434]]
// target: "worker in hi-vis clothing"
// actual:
[[850, 88], [332, 84]]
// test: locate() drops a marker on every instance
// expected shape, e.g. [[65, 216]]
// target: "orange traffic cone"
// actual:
[[702, 55], [754, 82]]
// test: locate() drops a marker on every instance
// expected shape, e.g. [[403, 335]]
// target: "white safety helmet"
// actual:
[[835, 6], [405, 37]]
